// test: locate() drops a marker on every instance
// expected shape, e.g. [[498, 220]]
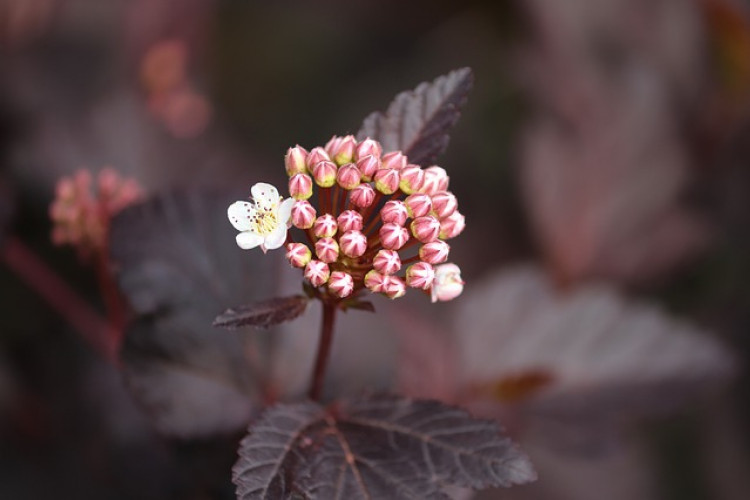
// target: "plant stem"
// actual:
[[324, 350], [60, 297], [117, 310]]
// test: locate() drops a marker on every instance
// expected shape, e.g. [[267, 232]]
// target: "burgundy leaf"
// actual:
[[263, 314], [604, 164], [374, 447], [586, 359], [417, 121], [178, 265]]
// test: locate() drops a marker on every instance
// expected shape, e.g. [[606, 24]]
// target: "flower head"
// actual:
[[264, 221], [370, 220], [81, 212]]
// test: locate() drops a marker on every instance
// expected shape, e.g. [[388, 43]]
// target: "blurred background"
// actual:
[[601, 161]]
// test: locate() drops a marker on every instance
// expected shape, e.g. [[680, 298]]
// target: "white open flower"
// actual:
[[447, 284], [264, 221]]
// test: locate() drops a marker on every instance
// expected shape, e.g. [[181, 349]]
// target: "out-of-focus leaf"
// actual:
[[427, 365], [374, 447], [263, 314], [607, 358], [624, 475], [605, 166], [179, 266], [417, 121]]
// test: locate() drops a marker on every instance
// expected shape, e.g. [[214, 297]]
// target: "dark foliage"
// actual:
[[374, 447], [263, 314], [178, 266], [417, 121]]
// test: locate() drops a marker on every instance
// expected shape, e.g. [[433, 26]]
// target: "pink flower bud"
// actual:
[[386, 180], [130, 191], [444, 203], [444, 181], [109, 182], [452, 226], [298, 254], [303, 214], [82, 181], [425, 228], [394, 211], [420, 275], [435, 179], [317, 272], [362, 196], [368, 165], [447, 284], [315, 156], [387, 262], [394, 287], [341, 284], [374, 281], [435, 252], [324, 173], [295, 160], [341, 149], [394, 159], [333, 144], [412, 178], [65, 189], [348, 176], [327, 250], [393, 236], [418, 204], [325, 226], [300, 186], [353, 243], [350, 220], [368, 147]]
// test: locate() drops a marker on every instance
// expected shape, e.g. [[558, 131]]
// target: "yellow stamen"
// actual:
[[265, 221]]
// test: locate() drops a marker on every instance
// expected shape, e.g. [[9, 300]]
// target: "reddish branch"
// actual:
[[95, 329], [324, 350]]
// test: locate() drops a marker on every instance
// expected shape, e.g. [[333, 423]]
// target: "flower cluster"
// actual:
[[172, 98], [376, 221], [80, 217]]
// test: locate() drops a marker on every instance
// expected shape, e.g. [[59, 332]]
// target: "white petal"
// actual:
[[285, 212], [239, 214], [448, 291], [276, 238], [248, 240], [265, 195]]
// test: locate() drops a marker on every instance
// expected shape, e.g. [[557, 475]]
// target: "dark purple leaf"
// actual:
[[417, 121], [374, 447], [263, 314], [179, 266], [590, 359]]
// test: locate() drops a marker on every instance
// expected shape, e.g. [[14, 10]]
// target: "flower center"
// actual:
[[265, 221]]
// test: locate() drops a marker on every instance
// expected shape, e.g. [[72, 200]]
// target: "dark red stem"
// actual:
[[324, 350], [114, 302], [60, 297]]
